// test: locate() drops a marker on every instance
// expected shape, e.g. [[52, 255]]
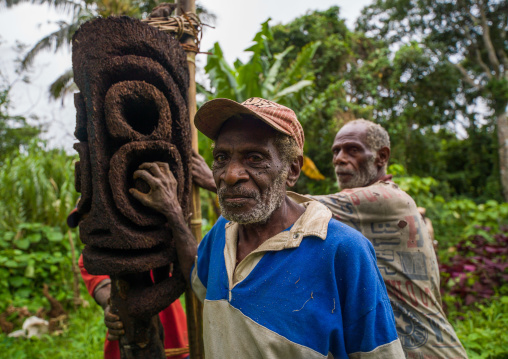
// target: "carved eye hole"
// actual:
[[137, 111], [140, 113]]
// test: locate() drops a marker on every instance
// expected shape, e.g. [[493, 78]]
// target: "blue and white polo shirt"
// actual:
[[311, 291]]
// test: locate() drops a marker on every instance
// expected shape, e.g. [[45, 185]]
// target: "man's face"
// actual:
[[248, 171], [352, 158]]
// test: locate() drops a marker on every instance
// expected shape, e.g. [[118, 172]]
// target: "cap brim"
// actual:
[[212, 115]]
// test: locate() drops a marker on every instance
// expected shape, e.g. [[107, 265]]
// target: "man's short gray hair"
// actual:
[[287, 147], [377, 137]]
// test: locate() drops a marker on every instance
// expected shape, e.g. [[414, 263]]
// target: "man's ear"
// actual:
[[294, 171], [383, 155]]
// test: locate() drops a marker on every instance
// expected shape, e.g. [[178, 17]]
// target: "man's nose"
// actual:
[[234, 173], [340, 158]]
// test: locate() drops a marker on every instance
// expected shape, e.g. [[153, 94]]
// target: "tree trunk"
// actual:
[[502, 135]]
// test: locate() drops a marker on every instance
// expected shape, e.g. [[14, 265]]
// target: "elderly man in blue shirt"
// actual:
[[279, 278]]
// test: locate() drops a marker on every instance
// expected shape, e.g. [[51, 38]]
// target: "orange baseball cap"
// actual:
[[214, 113]]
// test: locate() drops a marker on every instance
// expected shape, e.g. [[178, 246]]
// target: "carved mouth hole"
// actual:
[[141, 114]]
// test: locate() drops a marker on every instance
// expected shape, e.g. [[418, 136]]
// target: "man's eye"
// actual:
[[220, 158], [353, 150], [255, 158]]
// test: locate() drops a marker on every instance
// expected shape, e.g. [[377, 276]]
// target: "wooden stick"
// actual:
[[194, 308], [75, 272]]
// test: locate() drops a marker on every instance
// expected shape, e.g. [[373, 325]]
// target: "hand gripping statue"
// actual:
[[131, 110]]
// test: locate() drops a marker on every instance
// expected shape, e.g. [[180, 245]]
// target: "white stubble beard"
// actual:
[[362, 178], [264, 208]]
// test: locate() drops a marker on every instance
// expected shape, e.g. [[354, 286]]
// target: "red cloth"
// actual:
[[173, 320]]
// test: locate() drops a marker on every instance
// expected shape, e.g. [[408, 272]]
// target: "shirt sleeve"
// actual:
[[369, 325], [200, 268], [91, 281], [343, 208]]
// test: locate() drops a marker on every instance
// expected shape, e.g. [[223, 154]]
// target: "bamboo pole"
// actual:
[[194, 308], [75, 272]]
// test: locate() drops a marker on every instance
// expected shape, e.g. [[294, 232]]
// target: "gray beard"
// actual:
[[361, 178], [266, 204]]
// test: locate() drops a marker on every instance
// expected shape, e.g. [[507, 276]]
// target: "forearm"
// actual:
[[202, 176], [162, 197], [185, 243], [102, 294]]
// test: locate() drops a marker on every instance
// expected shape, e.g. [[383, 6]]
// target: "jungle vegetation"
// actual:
[[434, 74]]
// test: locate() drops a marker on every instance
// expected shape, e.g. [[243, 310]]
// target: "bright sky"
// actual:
[[237, 23]]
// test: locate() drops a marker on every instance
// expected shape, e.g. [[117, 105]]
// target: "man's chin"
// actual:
[[242, 215], [244, 218], [345, 184], [354, 182], [351, 183]]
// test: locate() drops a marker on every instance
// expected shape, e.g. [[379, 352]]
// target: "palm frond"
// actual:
[[271, 77], [221, 75], [63, 86], [250, 73], [53, 41], [203, 94], [294, 88], [63, 5], [295, 70]]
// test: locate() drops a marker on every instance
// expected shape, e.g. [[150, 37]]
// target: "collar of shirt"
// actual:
[[313, 222]]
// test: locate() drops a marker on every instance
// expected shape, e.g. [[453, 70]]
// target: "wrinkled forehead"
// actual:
[[246, 128], [356, 132]]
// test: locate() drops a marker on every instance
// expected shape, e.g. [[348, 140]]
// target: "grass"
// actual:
[[483, 329], [82, 339]]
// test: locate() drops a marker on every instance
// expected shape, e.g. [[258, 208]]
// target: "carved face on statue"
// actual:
[[131, 109]]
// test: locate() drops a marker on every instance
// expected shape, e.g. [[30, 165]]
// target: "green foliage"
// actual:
[[15, 132], [63, 85], [469, 166], [419, 188], [470, 218], [83, 338], [32, 255], [465, 71], [415, 95], [464, 167], [263, 75], [497, 92], [319, 26], [37, 191], [482, 329], [454, 219], [37, 186], [478, 269]]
